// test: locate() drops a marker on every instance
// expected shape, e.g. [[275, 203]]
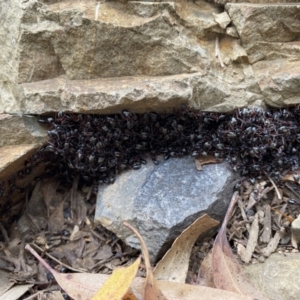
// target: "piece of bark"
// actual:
[[252, 241], [266, 235]]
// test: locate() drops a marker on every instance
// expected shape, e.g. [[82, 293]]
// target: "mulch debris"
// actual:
[[260, 224], [57, 223]]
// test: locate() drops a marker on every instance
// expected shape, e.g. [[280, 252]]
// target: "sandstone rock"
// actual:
[[161, 201], [278, 276], [85, 57], [199, 18], [12, 158], [231, 49], [15, 130], [265, 29], [231, 31], [140, 93], [12, 183], [279, 81], [116, 44], [222, 19]]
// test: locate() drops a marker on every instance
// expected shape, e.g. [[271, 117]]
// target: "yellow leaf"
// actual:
[[118, 283]]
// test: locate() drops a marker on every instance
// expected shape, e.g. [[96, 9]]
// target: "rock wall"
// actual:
[[106, 56], [102, 57]]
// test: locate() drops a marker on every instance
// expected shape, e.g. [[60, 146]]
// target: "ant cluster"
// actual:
[[255, 142]]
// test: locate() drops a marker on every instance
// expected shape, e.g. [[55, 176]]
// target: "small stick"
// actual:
[[33, 252], [275, 187]]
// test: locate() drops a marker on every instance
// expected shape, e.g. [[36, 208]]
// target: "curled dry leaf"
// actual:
[[174, 265], [227, 272]]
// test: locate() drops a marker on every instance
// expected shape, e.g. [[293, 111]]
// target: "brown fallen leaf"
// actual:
[[227, 272], [16, 292], [181, 291], [204, 160], [118, 283], [175, 263], [151, 292], [5, 283], [49, 188], [205, 274]]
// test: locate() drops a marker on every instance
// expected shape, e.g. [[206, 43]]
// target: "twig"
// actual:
[[275, 187], [21, 255], [55, 259]]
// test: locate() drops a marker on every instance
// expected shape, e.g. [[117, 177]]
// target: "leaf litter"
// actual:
[[67, 239], [57, 223]]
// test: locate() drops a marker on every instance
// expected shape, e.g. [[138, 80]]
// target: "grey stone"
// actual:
[[161, 201], [278, 277]]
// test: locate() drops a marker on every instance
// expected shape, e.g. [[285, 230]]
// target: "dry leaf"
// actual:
[[151, 292], [53, 295], [15, 292], [77, 285], [5, 283], [118, 283], [290, 176], [181, 291], [227, 272], [174, 265], [204, 160], [49, 188], [84, 286], [205, 274], [103, 253]]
